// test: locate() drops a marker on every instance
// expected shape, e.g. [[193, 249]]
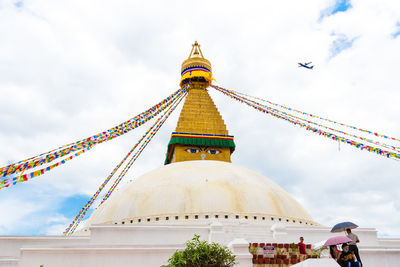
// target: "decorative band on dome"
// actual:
[[195, 69], [202, 140], [207, 136], [193, 72]]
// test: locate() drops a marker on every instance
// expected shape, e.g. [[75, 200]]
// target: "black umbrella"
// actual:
[[343, 226]]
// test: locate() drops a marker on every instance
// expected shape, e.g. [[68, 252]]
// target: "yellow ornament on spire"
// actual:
[[196, 67]]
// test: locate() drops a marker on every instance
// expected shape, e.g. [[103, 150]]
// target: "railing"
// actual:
[[278, 254]]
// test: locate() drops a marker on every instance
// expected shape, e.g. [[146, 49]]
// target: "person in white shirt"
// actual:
[[353, 244]]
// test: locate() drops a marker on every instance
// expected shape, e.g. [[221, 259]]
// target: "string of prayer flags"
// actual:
[[396, 149], [308, 127], [147, 137], [107, 135], [25, 177], [321, 118]]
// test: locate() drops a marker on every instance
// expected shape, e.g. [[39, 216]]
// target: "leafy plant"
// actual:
[[317, 252], [253, 250], [279, 251], [201, 253], [293, 249]]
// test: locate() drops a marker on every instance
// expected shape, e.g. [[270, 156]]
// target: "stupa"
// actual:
[[198, 183], [199, 191]]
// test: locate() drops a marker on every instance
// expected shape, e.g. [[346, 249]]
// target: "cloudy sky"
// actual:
[[70, 69]]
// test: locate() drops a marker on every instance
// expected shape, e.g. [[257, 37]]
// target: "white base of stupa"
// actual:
[[152, 245]]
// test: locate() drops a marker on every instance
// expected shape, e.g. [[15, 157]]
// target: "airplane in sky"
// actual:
[[305, 65]]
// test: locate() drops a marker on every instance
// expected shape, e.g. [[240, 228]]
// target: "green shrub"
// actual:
[[202, 254], [293, 246], [317, 252]]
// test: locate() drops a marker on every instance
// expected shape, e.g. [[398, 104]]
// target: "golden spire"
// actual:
[[201, 133], [199, 114]]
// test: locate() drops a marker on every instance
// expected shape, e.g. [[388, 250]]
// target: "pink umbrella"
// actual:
[[336, 240]]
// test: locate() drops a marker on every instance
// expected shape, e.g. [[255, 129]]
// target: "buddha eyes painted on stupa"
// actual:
[[192, 150]]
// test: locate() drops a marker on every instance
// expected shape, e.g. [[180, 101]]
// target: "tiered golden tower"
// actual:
[[201, 133]]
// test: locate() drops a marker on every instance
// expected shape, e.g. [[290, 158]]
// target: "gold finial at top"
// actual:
[[197, 49], [196, 52]]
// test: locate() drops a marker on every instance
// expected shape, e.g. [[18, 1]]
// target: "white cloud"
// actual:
[[71, 69]]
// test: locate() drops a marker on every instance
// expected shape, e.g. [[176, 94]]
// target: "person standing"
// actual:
[[302, 249], [353, 244]]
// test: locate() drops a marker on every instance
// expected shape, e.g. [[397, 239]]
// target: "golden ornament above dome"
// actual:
[[196, 67]]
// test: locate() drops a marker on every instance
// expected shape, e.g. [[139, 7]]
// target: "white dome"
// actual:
[[198, 190]]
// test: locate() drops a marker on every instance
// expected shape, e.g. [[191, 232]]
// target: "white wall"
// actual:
[[146, 234], [151, 245], [99, 257], [10, 245]]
